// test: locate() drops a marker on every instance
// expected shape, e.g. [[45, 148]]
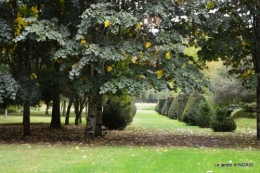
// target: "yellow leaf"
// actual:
[[109, 68], [77, 148], [82, 41], [106, 23], [86, 47], [168, 55], [159, 73], [210, 5], [148, 44], [138, 26], [196, 33]]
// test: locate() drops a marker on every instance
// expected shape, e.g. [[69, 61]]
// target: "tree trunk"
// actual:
[[99, 115], [55, 119], [64, 108], [26, 120], [256, 58], [47, 108], [91, 121], [6, 113], [68, 112], [258, 109], [76, 109]]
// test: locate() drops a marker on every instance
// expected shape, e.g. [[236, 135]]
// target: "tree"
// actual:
[[113, 46], [230, 30]]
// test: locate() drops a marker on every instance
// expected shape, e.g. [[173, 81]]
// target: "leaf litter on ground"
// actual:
[[74, 135]]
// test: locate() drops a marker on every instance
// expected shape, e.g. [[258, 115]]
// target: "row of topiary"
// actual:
[[193, 109]]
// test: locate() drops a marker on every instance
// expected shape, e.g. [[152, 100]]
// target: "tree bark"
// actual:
[[68, 112], [91, 121], [55, 119], [64, 108], [26, 120], [47, 108], [99, 115], [6, 113], [256, 60], [76, 107]]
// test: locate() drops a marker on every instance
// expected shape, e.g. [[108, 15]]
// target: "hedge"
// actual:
[[178, 105], [191, 108], [160, 105], [167, 106]]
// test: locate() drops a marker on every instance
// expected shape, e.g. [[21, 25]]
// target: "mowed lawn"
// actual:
[[80, 157]]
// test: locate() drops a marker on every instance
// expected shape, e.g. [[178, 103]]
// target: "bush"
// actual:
[[167, 106], [157, 106], [118, 112], [190, 111], [249, 107], [223, 122], [133, 107], [11, 109], [178, 105], [204, 115], [160, 105]]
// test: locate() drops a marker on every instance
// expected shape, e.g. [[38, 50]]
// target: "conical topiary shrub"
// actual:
[[178, 105], [191, 108], [160, 105], [167, 106]]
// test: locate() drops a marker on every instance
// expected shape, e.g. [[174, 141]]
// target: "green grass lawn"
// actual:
[[80, 157]]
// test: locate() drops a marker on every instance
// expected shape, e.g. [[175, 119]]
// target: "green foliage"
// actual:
[[243, 114], [118, 112], [157, 106], [249, 107], [227, 88], [9, 110], [204, 115], [8, 86], [160, 105], [190, 111], [222, 121], [178, 106], [167, 105]]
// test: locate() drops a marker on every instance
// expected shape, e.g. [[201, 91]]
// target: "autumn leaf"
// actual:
[[210, 5], [109, 68], [138, 26], [159, 73], [106, 23], [82, 41], [148, 44], [168, 55]]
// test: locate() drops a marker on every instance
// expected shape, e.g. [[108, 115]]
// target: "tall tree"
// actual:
[[115, 45], [230, 30]]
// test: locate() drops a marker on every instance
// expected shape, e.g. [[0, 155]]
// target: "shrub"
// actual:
[[223, 122], [157, 107], [167, 106], [160, 105], [11, 109], [133, 107], [178, 105], [190, 111], [249, 107], [204, 115], [118, 112]]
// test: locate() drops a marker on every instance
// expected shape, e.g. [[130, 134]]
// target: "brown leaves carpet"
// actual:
[[42, 134]]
